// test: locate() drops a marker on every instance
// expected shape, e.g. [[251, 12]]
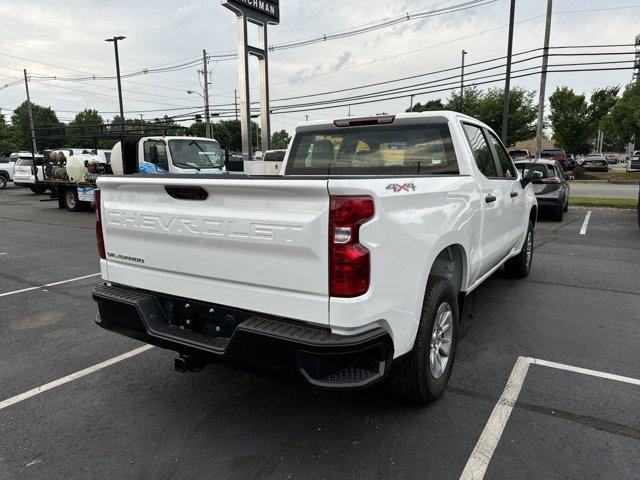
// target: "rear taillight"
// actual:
[[551, 181], [99, 235], [349, 261]]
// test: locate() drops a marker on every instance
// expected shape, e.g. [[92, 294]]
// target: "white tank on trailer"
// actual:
[[76, 169]]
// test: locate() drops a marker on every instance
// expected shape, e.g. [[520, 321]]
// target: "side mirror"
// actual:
[[524, 182]]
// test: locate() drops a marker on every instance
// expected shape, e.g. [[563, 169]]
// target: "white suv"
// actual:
[[24, 171]]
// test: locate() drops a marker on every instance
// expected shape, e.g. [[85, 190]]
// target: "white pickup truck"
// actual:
[[349, 268]]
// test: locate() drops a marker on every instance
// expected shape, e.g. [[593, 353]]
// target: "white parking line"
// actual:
[[70, 378], [585, 224], [478, 462], [3, 253], [6, 294]]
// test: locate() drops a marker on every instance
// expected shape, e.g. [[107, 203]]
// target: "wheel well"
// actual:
[[533, 216], [4, 174], [450, 264]]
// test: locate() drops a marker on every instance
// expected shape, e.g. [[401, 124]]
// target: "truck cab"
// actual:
[[164, 154]]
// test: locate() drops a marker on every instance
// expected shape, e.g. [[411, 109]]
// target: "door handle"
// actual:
[[514, 194], [490, 198]]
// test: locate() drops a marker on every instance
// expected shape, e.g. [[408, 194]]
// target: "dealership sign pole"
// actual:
[[260, 13]]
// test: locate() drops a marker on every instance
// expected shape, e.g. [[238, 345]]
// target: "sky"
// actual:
[[65, 38]]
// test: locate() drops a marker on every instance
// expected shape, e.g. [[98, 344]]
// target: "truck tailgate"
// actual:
[[255, 244]]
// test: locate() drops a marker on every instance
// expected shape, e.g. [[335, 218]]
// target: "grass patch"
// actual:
[[603, 202], [611, 176]]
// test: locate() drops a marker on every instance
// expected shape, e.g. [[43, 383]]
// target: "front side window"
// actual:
[[481, 151], [375, 150], [506, 165], [189, 153]]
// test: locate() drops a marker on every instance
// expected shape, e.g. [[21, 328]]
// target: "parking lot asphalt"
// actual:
[[139, 419]]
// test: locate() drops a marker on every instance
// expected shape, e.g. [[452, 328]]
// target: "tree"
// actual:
[[46, 124], [523, 112], [623, 121], [429, 106], [7, 143], [469, 103], [85, 122], [571, 120], [280, 140], [488, 108]]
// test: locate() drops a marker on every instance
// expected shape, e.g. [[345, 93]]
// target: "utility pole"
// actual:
[[543, 78], [34, 148], [411, 106], [115, 47], [464, 52], [507, 84], [207, 117]]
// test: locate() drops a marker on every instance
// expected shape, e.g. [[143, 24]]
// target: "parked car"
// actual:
[[519, 154], [27, 174], [611, 158], [349, 269], [6, 172], [595, 163], [557, 154], [571, 162], [549, 184], [633, 165]]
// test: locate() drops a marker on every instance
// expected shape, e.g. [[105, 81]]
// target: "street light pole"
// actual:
[[115, 46], [507, 84], [207, 117], [543, 79]]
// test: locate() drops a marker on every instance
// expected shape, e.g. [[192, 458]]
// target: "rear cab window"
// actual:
[[535, 170], [423, 149], [24, 162]]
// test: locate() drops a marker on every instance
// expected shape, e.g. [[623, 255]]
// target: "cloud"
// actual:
[[343, 60]]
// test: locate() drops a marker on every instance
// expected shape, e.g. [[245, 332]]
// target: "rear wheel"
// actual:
[[71, 200], [422, 375], [520, 265], [566, 205], [3, 182], [38, 190]]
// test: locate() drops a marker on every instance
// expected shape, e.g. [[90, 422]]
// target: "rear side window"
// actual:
[[508, 171], [375, 150], [481, 151]]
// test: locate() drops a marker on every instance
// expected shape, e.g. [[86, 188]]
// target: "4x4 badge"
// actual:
[[401, 187]]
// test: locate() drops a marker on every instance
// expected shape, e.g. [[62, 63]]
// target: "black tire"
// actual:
[[520, 265], [412, 376], [70, 197], [566, 205], [38, 190], [3, 182]]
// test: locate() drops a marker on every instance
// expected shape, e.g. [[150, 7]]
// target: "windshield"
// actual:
[[376, 150], [197, 153], [534, 170]]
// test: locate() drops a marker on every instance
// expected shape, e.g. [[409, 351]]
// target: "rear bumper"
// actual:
[[209, 333]]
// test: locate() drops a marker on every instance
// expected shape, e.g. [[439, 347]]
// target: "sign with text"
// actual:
[[268, 8]]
